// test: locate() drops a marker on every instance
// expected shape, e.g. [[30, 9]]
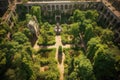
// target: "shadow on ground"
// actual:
[[60, 58]]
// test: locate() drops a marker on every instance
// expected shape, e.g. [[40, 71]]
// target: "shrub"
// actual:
[[60, 50]]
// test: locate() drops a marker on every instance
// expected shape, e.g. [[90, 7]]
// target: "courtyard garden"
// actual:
[[83, 50]]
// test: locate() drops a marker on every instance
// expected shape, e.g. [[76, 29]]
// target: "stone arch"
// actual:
[[108, 14], [53, 7], [94, 5], [107, 22], [70, 6], [87, 6], [114, 21], [117, 25], [62, 7], [57, 7], [101, 8], [57, 18], [111, 17], [105, 11], [48, 7], [66, 6], [105, 19]]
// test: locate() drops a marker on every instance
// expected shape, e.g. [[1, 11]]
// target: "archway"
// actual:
[[58, 18]]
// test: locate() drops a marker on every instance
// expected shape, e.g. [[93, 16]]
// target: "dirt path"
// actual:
[[60, 65], [36, 47], [58, 43]]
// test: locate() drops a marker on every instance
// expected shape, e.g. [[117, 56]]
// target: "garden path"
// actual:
[[58, 43]]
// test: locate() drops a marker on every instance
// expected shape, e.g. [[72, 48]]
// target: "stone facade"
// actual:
[[115, 3]]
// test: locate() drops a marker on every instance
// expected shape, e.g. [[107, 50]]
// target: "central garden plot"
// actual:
[[48, 64]]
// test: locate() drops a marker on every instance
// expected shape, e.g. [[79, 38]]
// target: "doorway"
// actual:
[[58, 18]]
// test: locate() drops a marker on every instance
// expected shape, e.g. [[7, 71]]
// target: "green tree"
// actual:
[[20, 38], [78, 15], [71, 19], [4, 29], [10, 49], [83, 25], [28, 17], [92, 14], [88, 33], [36, 11], [85, 69], [27, 33], [10, 74], [60, 50], [2, 62], [107, 36], [75, 32], [82, 69], [24, 65], [46, 26], [91, 49], [75, 29], [73, 76], [104, 65], [98, 31], [45, 38]]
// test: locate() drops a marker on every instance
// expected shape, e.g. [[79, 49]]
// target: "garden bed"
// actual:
[[48, 64]]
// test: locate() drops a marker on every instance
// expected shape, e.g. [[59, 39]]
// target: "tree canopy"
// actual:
[[36, 11]]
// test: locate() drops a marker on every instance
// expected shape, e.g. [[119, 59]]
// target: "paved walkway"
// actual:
[[58, 43]]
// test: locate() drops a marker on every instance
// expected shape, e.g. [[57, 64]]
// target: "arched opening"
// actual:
[[101, 8], [57, 7], [58, 18], [61, 7], [53, 7], [66, 7]]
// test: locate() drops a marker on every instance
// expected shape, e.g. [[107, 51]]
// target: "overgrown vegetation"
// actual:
[[93, 55], [47, 36], [18, 59], [46, 58]]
